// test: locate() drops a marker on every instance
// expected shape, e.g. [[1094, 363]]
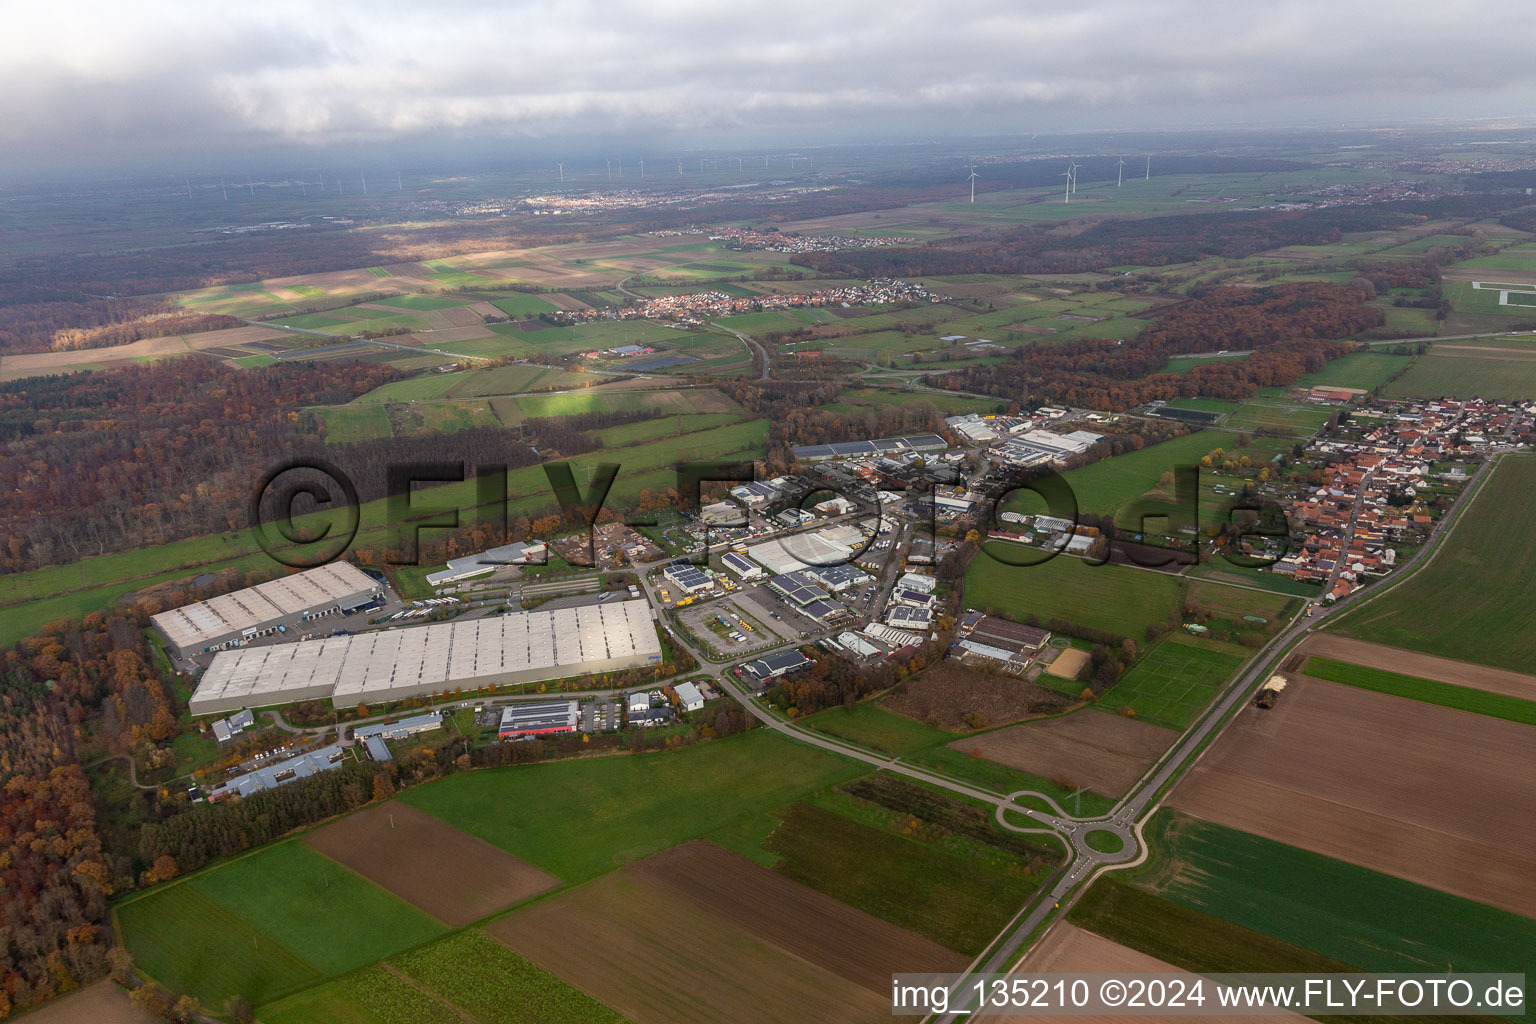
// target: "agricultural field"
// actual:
[[1113, 598], [578, 819], [1106, 753], [1485, 367], [870, 725], [1382, 782], [265, 925], [1475, 601], [1446, 695], [1348, 913], [957, 901], [447, 873], [1173, 683], [1367, 369], [1424, 666], [958, 698], [656, 955]]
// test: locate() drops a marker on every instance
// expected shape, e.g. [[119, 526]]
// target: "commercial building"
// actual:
[[551, 718], [722, 513], [741, 566], [689, 696], [776, 666], [904, 617], [838, 578], [831, 545], [879, 446], [639, 701], [400, 730], [416, 661], [274, 775], [1000, 639], [688, 578], [489, 561], [228, 620]]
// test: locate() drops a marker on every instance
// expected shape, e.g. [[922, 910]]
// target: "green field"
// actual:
[[523, 305], [1352, 914], [1115, 598], [1103, 488], [264, 925], [373, 995], [871, 725], [496, 986], [956, 901], [1467, 372], [1430, 691], [420, 302], [1368, 370], [579, 819], [1278, 417], [1172, 684], [1476, 600]]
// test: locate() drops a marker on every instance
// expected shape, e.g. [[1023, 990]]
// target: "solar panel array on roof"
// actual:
[[398, 663], [796, 589], [835, 449]]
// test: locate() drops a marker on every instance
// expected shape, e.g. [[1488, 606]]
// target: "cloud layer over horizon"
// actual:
[[92, 79]]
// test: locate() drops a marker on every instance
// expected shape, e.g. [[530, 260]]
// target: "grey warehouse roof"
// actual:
[[398, 663]]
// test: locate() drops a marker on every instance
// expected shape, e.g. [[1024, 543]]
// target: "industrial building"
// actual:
[[228, 620], [687, 577], [831, 545], [415, 661], [374, 736], [546, 718], [271, 776], [1000, 639], [689, 696], [489, 561], [879, 446], [741, 566], [776, 666]]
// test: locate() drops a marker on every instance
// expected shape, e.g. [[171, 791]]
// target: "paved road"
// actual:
[[1147, 794]]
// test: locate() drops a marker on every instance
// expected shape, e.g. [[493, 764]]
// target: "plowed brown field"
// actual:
[[847, 942], [451, 875], [655, 955], [1106, 753], [1425, 666], [1440, 797]]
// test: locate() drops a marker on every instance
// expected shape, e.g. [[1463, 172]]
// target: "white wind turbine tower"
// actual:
[[642, 170], [224, 190], [1072, 170], [973, 182], [250, 185], [1068, 197], [399, 185], [621, 167], [189, 190], [1120, 174], [679, 167], [561, 169], [609, 164], [1149, 166], [365, 182], [304, 187]]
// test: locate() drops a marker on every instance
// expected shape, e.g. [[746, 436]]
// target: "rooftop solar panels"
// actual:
[[913, 443]]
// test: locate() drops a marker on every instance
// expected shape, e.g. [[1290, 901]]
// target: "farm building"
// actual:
[[741, 566], [546, 718], [258, 611], [489, 561], [420, 660], [688, 696], [273, 775]]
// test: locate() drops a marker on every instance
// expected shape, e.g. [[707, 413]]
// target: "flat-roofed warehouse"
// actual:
[[419, 660], [203, 625]]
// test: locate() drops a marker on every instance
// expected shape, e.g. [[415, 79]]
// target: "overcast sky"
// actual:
[[130, 79]]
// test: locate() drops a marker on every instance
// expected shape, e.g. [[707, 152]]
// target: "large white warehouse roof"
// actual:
[[393, 664]]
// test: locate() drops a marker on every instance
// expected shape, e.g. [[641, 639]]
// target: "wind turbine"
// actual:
[[189, 190], [621, 167], [679, 167], [642, 170], [561, 169], [1120, 174], [609, 164], [304, 187], [399, 186], [250, 185], [1068, 197], [1149, 166], [365, 182], [224, 190], [1072, 170], [973, 183]]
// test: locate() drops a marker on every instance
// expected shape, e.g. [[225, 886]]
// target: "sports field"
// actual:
[[1476, 601], [1172, 684], [264, 925], [1113, 598]]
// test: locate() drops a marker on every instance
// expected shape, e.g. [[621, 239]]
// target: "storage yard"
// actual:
[[416, 661]]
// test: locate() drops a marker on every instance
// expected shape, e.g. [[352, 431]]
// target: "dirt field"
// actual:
[[1069, 664], [101, 1003], [849, 943], [1068, 949], [32, 364], [1106, 753], [449, 874], [462, 316], [1425, 666], [447, 335], [657, 956], [951, 691], [1440, 797]]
